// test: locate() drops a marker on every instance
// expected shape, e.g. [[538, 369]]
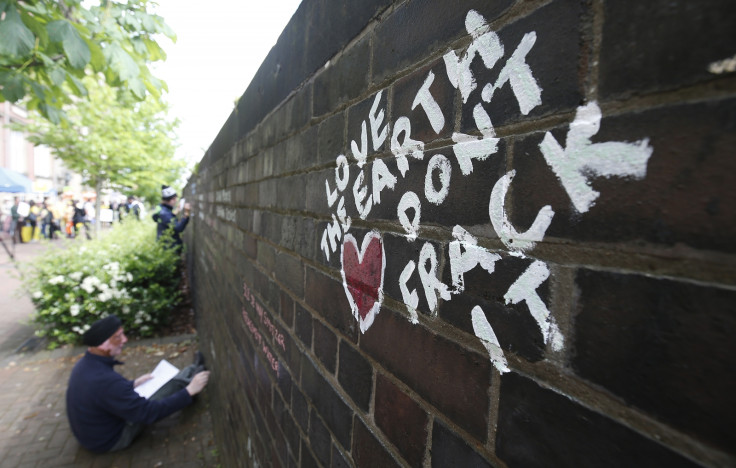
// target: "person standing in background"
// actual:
[[166, 219], [80, 217], [46, 218], [33, 219], [16, 221], [132, 208]]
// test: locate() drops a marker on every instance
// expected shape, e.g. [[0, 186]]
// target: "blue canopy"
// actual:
[[14, 182]]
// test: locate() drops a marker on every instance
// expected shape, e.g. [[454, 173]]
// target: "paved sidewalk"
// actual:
[[15, 305], [34, 431]]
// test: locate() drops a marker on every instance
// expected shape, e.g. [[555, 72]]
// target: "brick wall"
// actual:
[[476, 233]]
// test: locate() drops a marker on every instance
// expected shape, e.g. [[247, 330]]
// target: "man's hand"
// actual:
[[198, 382], [187, 209], [142, 379]]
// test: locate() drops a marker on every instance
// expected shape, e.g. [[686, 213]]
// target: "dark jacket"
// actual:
[[133, 207], [80, 216], [99, 401], [165, 218]]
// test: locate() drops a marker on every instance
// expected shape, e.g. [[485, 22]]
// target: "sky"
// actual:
[[220, 45]]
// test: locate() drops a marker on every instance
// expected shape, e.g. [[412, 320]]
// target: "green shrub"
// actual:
[[125, 272]]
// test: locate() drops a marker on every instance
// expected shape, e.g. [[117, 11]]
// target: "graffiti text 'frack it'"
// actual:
[[574, 164]]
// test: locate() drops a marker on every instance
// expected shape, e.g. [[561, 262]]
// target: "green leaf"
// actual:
[[32, 103], [77, 85], [15, 38], [12, 84], [58, 30], [138, 88], [50, 112], [57, 75], [47, 61], [121, 62], [149, 23], [97, 59], [39, 8], [77, 51], [130, 20], [139, 46], [39, 90], [155, 52], [154, 85], [37, 28], [75, 48]]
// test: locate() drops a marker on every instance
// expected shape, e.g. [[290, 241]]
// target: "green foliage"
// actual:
[[114, 141], [125, 272], [48, 46]]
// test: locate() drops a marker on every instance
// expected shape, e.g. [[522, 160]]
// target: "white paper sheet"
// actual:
[[163, 372]]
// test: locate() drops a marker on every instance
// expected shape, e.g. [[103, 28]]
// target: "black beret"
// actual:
[[101, 330]]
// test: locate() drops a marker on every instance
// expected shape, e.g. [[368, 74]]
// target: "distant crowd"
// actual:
[[35, 219]]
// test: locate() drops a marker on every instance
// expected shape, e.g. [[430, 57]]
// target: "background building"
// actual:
[[47, 173]]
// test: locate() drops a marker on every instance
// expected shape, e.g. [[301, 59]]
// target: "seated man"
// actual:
[[104, 411]]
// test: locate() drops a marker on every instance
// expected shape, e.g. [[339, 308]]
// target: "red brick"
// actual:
[[454, 380], [402, 420], [367, 450]]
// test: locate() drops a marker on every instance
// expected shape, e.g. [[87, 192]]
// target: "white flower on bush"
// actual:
[[80, 330], [126, 309], [76, 276], [119, 293], [37, 295], [57, 280], [74, 310], [90, 283], [105, 296], [145, 328], [129, 276]]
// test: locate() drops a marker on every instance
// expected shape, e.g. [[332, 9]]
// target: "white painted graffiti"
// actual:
[[228, 214], [574, 164]]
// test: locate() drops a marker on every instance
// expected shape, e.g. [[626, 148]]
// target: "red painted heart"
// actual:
[[362, 274]]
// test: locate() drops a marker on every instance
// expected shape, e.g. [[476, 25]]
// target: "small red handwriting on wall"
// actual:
[[278, 337], [259, 339]]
